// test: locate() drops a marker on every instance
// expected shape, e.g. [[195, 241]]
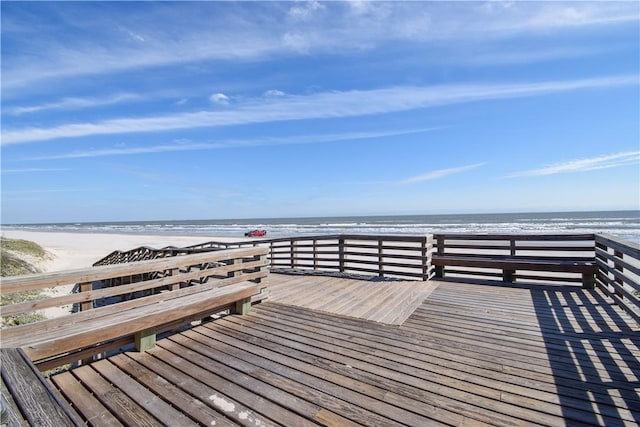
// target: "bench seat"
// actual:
[[509, 265], [52, 337]]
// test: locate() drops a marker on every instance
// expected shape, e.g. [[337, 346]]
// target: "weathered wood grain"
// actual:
[[101, 328], [380, 301], [38, 403], [84, 401], [85, 275]]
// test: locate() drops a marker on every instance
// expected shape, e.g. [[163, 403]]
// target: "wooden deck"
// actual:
[[470, 354]]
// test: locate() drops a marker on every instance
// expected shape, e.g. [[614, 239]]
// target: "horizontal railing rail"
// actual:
[[175, 269], [619, 272], [378, 255]]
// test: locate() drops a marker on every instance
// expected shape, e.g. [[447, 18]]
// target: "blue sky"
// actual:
[[210, 110]]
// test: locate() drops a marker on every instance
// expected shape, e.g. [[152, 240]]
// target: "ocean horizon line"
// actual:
[[317, 217], [622, 223]]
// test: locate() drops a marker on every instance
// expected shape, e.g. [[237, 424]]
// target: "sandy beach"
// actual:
[[70, 251], [79, 250]]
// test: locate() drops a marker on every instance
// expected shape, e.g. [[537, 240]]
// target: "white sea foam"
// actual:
[[625, 225]]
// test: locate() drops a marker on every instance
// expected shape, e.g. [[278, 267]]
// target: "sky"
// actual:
[[125, 111]]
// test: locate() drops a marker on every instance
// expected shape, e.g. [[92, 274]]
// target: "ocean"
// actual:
[[623, 224]]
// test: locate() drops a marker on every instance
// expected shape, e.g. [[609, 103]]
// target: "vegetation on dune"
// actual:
[[15, 256], [23, 246], [14, 266]]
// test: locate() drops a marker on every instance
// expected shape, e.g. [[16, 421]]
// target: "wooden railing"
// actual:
[[381, 255], [144, 253], [619, 272], [154, 281], [618, 262]]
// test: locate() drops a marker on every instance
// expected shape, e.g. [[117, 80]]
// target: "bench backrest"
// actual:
[[543, 247]]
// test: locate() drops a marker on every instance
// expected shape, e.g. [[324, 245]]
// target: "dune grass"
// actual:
[[16, 257]]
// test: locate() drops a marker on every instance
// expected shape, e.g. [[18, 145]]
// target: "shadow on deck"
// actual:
[[468, 354]]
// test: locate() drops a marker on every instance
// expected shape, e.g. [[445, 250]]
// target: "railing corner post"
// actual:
[[426, 256]]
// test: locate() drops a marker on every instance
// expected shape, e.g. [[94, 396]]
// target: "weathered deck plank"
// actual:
[[470, 354], [386, 301], [114, 399], [84, 401]]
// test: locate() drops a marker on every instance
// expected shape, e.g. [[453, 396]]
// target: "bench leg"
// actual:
[[508, 275], [588, 281], [439, 271], [243, 306], [146, 339]]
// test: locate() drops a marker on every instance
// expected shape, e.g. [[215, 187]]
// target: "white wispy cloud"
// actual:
[[219, 98], [273, 93], [506, 56], [305, 10], [440, 173], [214, 32], [32, 170], [316, 106], [582, 165], [185, 145], [44, 191], [74, 103]]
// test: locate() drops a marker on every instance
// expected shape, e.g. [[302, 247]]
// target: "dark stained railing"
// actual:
[[619, 272], [144, 253], [381, 255]]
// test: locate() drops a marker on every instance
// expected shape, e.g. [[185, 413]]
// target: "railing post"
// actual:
[[439, 270], [293, 254], [169, 273], [234, 273], [263, 266], [380, 259], [619, 268], [315, 254], [84, 306], [271, 252], [341, 255], [86, 287], [507, 274]]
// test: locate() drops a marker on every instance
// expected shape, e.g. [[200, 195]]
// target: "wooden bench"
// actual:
[[570, 254], [27, 398], [52, 337], [509, 265], [169, 293]]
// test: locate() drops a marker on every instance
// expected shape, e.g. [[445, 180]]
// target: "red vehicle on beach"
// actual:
[[256, 233]]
